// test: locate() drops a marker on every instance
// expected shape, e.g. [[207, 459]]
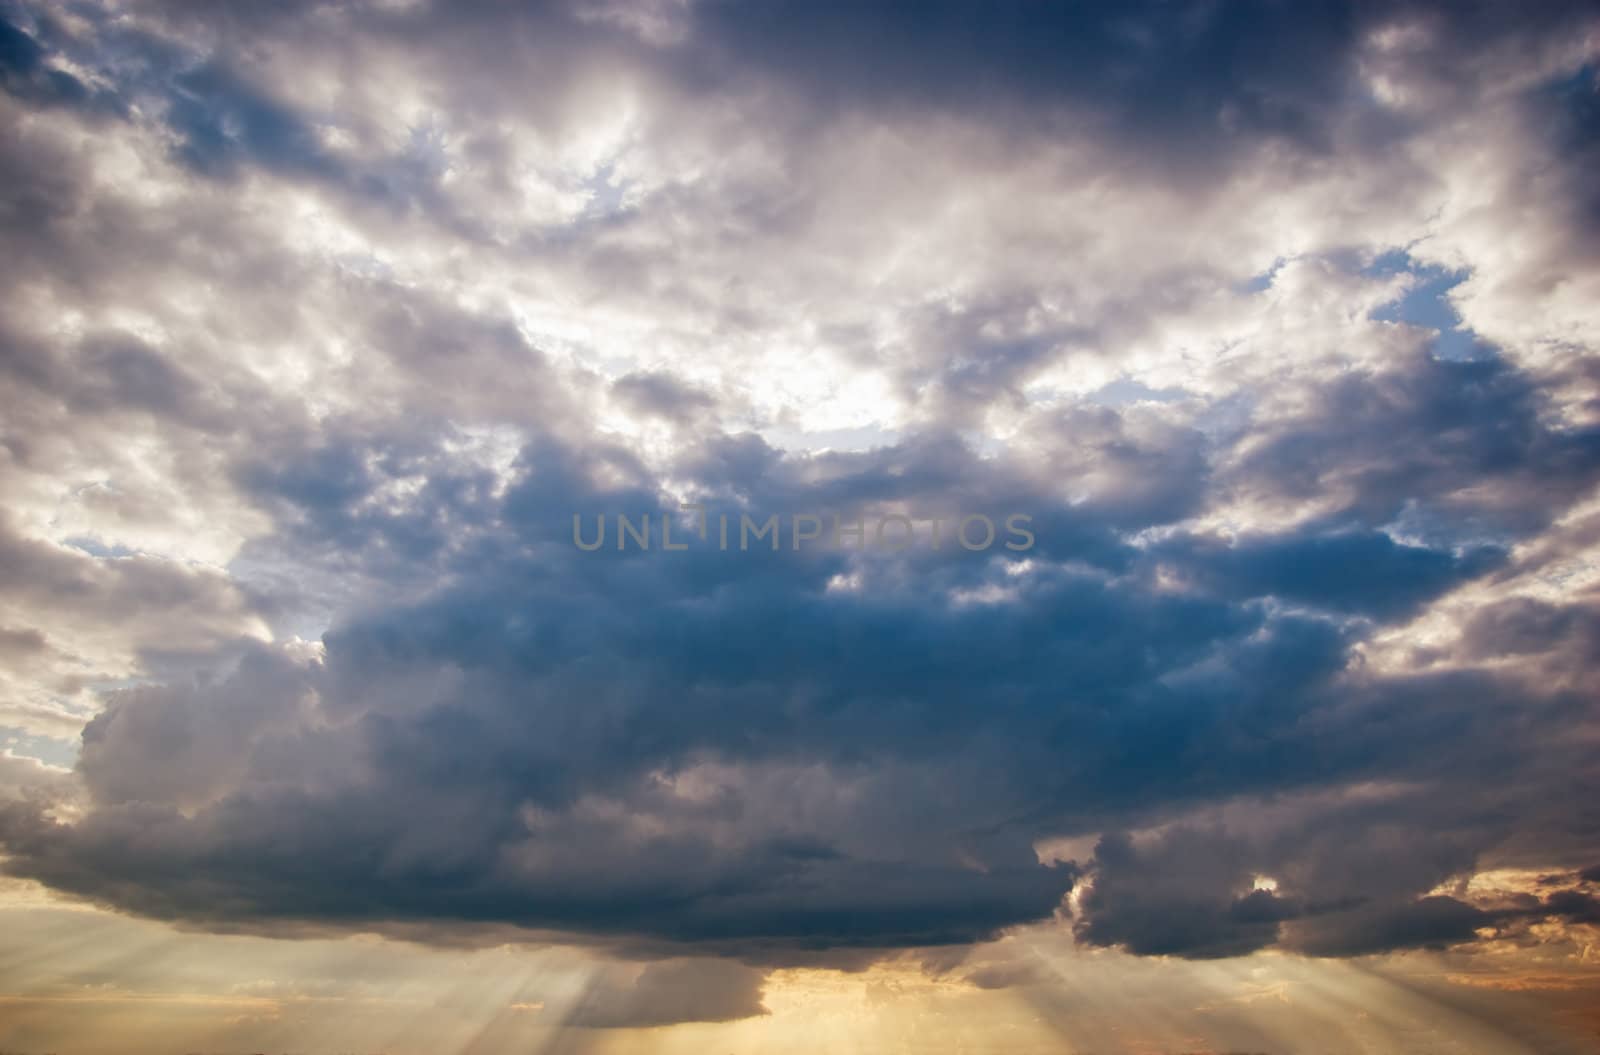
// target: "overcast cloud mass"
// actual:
[[320, 321]]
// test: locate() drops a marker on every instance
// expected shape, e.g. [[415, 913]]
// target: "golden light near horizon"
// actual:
[[146, 987]]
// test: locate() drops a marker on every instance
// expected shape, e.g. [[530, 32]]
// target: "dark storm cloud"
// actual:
[[791, 754], [1430, 922], [457, 776], [1178, 900], [442, 723]]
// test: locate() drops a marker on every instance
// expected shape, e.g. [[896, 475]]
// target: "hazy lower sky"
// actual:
[[1179, 427]]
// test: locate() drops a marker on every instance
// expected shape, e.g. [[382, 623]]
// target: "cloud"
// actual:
[[23, 777], [668, 992], [330, 322]]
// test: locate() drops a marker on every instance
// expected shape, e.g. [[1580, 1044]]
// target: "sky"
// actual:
[[1170, 434]]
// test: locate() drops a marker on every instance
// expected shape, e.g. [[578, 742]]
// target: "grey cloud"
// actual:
[[1181, 898], [796, 756], [27, 778], [21, 644], [180, 607], [1430, 922], [467, 787], [669, 992], [1402, 443], [660, 394], [1345, 572]]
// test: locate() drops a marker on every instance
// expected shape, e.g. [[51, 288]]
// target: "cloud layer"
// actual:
[[321, 322]]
